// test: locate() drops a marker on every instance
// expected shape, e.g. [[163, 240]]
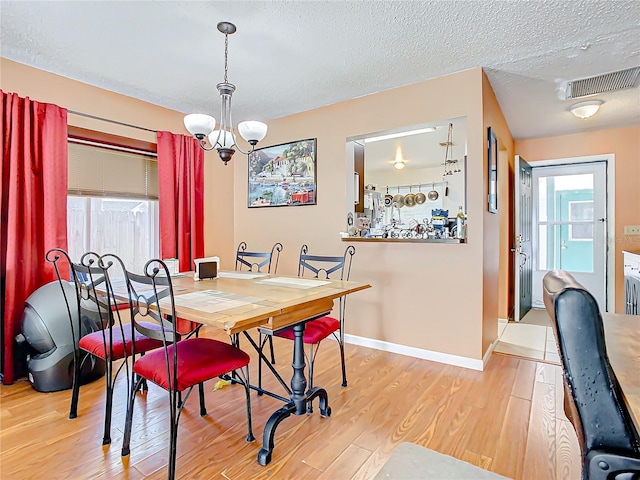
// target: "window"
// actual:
[[581, 211], [112, 203]]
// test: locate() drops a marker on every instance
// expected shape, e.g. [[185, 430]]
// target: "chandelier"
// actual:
[[202, 127]]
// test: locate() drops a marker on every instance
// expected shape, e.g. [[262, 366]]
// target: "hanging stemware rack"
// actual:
[[451, 165]]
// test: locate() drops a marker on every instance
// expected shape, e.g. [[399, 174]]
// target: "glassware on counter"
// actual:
[[460, 223]]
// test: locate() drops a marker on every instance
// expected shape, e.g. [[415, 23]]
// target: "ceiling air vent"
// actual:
[[607, 82]]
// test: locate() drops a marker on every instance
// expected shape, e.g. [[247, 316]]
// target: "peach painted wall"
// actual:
[[428, 296], [72, 95], [624, 143], [496, 254]]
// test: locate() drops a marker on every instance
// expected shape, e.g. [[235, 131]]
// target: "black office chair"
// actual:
[[255, 262], [594, 404], [322, 266], [181, 364], [112, 340]]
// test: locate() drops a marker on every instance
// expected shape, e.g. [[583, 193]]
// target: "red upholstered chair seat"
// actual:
[[181, 363], [94, 343], [120, 306], [321, 267], [199, 359], [315, 330], [91, 304]]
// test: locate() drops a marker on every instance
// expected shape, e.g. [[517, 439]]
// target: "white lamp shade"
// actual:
[[398, 164], [226, 140], [252, 130], [586, 109], [199, 124]]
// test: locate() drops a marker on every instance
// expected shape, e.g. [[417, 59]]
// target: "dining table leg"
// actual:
[[300, 397]]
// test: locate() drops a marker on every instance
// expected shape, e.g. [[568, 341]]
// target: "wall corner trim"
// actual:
[[446, 358], [487, 354]]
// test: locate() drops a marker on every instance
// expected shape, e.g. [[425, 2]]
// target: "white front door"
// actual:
[[569, 220]]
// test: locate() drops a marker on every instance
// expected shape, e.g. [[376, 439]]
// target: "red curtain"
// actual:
[[181, 198], [33, 206], [181, 194]]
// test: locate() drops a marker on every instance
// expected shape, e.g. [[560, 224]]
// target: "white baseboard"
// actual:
[[439, 357], [487, 354]]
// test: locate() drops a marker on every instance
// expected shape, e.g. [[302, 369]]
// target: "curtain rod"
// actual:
[[113, 147], [110, 121]]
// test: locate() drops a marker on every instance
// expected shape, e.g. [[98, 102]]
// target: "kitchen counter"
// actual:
[[403, 240]]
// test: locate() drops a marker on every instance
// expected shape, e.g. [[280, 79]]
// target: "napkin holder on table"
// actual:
[[206, 268], [172, 265]]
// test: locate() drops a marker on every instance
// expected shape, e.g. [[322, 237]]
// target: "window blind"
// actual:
[[104, 171]]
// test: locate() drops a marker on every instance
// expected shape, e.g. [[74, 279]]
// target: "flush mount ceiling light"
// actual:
[[223, 139], [399, 163], [586, 109]]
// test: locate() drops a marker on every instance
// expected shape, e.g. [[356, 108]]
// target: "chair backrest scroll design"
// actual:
[[323, 266], [151, 298], [255, 261], [61, 260]]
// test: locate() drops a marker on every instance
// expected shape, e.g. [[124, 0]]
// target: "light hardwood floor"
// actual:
[[508, 419]]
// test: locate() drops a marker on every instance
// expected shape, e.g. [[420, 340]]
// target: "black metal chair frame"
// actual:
[[258, 260], [147, 306], [594, 403], [320, 266], [96, 274]]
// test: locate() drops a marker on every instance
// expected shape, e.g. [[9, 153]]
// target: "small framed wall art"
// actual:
[[283, 175]]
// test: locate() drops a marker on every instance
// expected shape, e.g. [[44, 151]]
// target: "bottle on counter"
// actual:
[[460, 223]]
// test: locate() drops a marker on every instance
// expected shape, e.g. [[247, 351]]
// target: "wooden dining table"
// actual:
[[237, 302], [622, 338]]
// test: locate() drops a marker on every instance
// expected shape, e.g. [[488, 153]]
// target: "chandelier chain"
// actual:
[[203, 127], [226, 54]]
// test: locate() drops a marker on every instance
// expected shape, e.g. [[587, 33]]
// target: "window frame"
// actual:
[[84, 134], [116, 142]]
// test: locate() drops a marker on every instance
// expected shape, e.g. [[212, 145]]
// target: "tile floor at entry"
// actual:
[[530, 338]]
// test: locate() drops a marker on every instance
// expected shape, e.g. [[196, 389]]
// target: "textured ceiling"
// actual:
[[291, 56]]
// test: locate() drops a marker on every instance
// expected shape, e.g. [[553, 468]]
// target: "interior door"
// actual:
[[522, 243], [570, 224]]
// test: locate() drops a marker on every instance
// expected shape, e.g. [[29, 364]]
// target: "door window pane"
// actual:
[[542, 199], [581, 211], [558, 251], [556, 191], [543, 254], [566, 222]]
